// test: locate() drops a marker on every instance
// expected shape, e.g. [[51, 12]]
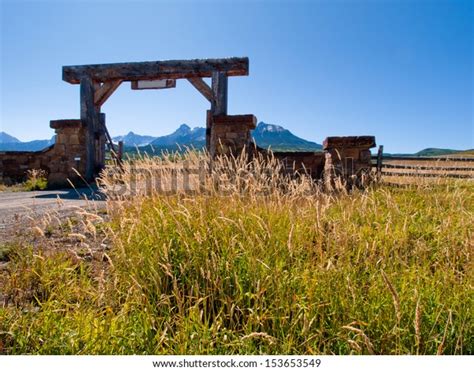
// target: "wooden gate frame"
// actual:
[[99, 81]]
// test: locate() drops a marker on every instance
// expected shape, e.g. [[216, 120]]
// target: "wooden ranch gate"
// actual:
[[79, 149], [99, 81]]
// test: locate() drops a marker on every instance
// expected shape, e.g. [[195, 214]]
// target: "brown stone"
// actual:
[[247, 120], [67, 123], [365, 141]]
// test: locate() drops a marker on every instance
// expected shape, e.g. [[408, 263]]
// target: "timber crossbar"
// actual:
[[172, 69]]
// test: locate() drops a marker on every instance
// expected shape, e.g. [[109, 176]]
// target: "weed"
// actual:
[[36, 180]]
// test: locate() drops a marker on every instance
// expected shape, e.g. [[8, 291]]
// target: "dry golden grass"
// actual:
[[247, 261]]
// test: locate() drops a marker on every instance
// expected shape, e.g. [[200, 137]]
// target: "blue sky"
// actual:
[[400, 70]]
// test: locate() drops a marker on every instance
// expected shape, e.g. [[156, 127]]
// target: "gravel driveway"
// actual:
[[17, 208]]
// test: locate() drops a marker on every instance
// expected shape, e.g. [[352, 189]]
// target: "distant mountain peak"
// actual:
[[266, 135], [263, 127], [132, 139], [183, 129], [7, 138], [183, 136], [280, 139]]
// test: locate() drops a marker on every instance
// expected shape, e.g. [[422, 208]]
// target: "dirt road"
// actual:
[[19, 209]]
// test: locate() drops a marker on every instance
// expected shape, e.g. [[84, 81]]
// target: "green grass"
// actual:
[[36, 179], [387, 271]]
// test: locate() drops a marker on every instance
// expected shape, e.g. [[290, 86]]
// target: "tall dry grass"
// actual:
[[242, 259]]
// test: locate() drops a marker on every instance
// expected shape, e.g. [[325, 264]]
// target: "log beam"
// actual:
[[174, 69], [202, 87]]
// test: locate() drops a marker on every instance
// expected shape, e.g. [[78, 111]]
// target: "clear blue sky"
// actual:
[[399, 70]]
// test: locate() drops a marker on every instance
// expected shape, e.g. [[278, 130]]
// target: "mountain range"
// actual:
[[10, 143], [265, 135]]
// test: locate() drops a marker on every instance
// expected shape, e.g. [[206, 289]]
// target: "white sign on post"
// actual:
[[153, 84]]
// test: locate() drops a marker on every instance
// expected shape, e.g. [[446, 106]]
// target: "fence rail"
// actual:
[[421, 167], [429, 175], [425, 158], [440, 167]]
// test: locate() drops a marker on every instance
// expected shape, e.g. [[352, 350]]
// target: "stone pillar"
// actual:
[[231, 134], [348, 158], [68, 153]]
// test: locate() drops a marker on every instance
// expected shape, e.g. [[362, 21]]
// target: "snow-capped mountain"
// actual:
[[266, 135], [132, 139], [183, 136], [280, 139]]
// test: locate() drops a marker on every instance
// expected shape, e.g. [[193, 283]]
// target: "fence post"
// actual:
[[120, 151], [379, 163]]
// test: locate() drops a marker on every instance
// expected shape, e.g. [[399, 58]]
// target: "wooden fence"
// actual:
[[426, 167]]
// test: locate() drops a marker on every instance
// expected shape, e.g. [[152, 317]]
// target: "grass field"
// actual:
[[257, 264]]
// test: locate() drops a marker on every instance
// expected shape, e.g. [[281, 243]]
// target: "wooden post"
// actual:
[[219, 90], [90, 117], [120, 151], [379, 162], [208, 129], [218, 105]]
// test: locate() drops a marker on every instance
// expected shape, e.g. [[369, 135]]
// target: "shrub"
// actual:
[[36, 180]]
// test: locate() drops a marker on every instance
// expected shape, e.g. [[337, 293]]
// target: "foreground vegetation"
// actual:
[[35, 180], [271, 265]]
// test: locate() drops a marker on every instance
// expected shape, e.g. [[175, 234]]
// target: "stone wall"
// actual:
[[311, 163], [59, 160], [14, 164], [348, 158], [231, 134]]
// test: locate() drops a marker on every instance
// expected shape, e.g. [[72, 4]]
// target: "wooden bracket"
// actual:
[[105, 91], [202, 87]]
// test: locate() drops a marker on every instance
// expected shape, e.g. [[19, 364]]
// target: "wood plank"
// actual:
[[172, 69], [153, 84], [429, 175], [427, 158], [202, 87], [105, 91], [421, 167]]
